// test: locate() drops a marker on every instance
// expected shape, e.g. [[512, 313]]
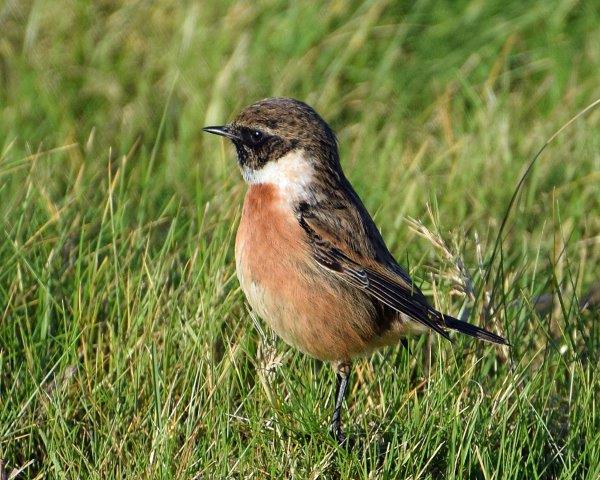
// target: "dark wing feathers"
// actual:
[[404, 300], [473, 330], [344, 239], [388, 288]]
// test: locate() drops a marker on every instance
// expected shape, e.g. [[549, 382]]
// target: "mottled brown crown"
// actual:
[[289, 119], [269, 129]]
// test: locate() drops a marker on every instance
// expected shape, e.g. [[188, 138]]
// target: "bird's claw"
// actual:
[[336, 432]]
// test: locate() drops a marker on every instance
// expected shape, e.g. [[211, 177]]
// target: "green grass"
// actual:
[[126, 348]]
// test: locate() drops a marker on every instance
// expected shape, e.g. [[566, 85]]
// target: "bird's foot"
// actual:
[[335, 429]]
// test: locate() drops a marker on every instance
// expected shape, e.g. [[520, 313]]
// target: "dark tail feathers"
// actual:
[[473, 331]]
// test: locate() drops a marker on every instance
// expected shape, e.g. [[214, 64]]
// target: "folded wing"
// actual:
[[390, 288], [387, 287]]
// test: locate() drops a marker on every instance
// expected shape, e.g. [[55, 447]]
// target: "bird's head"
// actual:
[[281, 141]]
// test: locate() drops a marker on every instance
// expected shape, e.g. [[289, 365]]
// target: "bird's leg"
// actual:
[[342, 370]]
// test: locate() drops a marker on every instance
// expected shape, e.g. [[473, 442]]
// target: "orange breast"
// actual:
[[308, 307]]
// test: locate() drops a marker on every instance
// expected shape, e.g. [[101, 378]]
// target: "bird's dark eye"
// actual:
[[256, 136], [253, 138]]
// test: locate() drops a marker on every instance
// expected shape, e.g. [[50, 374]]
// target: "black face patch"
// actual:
[[242, 153], [255, 147]]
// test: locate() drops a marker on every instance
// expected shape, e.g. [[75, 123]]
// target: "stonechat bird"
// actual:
[[309, 257]]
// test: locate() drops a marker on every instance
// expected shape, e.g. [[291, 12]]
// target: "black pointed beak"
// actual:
[[224, 131]]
